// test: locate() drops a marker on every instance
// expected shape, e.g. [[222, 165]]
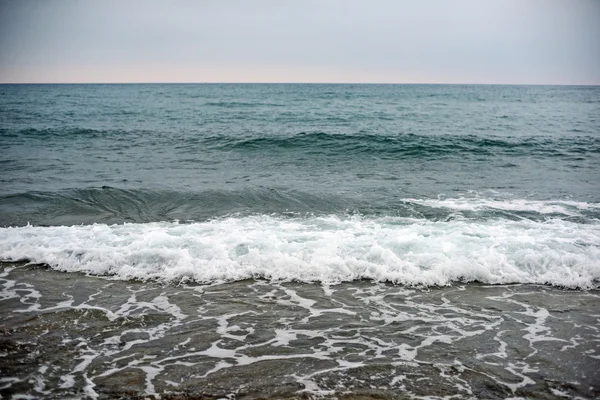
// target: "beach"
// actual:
[[86, 336]]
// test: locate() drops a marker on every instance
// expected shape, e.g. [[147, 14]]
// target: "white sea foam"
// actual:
[[564, 207], [323, 249]]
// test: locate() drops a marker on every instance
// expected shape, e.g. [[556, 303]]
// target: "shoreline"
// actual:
[[66, 335]]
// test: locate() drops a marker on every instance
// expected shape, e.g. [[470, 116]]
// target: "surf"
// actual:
[[325, 249]]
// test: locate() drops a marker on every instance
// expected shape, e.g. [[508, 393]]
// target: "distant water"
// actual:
[[268, 186]]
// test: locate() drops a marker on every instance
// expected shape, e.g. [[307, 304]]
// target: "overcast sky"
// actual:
[[379, 41]]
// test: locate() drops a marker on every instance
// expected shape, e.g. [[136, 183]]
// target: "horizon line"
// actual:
[[296, 83]]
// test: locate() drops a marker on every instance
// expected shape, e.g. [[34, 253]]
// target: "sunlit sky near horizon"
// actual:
[[351, 41]]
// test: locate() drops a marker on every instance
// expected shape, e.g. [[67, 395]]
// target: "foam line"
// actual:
[[326, 249]]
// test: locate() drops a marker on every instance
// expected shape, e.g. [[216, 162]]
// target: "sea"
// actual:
[[299, 241]]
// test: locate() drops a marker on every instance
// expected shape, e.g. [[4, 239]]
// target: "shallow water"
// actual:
[[84, 336]]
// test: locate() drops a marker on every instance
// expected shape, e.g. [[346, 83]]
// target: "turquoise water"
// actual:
[[144, 153]]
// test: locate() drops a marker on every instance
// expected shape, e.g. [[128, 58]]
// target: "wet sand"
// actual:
[[76, 336]]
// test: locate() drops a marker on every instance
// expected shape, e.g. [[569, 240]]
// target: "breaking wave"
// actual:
[[328, 249]]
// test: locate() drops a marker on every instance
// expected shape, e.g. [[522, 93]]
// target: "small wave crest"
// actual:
[[117, 205], [326, 249], [556, 207], [411, 145]]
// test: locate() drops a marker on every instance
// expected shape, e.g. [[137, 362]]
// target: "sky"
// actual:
[[337, 41]]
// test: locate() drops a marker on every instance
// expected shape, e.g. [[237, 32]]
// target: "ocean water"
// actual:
[[299, 241]]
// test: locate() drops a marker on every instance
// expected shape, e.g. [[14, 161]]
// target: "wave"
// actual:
[[70, 132], [327, 249], [555, 207], [572, 147], [116, 205], [411, 145]]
